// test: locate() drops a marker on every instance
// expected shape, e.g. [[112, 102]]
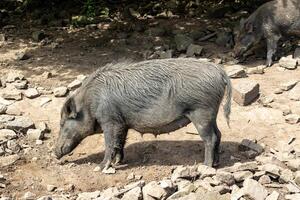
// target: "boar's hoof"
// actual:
[[104, 165], [118, 160]]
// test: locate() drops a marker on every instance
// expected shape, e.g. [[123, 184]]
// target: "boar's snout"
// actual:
[[58, 153], [66, 142]]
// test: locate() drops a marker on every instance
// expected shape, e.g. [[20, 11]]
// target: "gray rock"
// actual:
[[242, 175], [39, 142], [250, 145], [278, 91], [183, 192], [297, 178], [271, 169], [13, 110], [6, 118], [166, 184], [20, 84], [13, 146], [6, 134], [225, 177], [110, 170], [294, 164], [212, 181], [264, 179], [46, 75], [21, 55], [134, 185], [194, 50], [13, 76], [236, 71], [5, 102], [35, 134], [222, 189], [208, 195], [5, 198], [20, 123], [286, 175], [182, 42], [8, 160], [292, 118], [109, 193], [182, 183], [288, 85], [29, 196], [31, 93], [184, 172], [51, 188], [273, 196], [88, 195], [246, 166], [245, 92], [43, 127], [60, 91], [254, 189], [266, 100], [153, 191], [81, 77], [294, 94], [12, 95], [206, 171], [256, 70], [74, 84], [165, 54], [3, 109], [292, 196], [37, 36], [250, 154], [288, 63], [134, 194], [284, 108], [292, 188]]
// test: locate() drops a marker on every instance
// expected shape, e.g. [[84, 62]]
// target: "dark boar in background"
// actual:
[[270, 22]]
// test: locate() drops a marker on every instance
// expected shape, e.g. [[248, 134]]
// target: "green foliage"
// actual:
[[89, 9]]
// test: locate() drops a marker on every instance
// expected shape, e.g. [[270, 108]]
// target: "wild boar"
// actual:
[[271, 21], [155, 96]]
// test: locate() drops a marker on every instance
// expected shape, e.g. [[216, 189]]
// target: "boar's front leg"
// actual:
[[114, 136], [271, 48]]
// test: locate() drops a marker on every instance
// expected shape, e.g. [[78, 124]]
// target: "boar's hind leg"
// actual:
[[204, 123], [271, 48], [217, 145], [114, 136]]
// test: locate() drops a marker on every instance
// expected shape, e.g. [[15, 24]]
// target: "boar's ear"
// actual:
[[70, 108], [249, 27]]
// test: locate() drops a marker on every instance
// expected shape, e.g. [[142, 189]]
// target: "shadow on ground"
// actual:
[[169, 153]]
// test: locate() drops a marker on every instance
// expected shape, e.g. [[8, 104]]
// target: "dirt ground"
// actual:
[[81, 51]]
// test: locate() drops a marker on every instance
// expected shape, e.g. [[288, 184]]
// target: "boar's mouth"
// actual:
[[66, 147]]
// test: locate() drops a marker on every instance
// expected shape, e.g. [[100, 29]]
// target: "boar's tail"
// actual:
[[227, 105]]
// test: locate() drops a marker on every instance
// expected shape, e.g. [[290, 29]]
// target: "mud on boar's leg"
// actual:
[[115, 136]]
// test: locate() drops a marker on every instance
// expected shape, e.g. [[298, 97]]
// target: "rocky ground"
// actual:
[[40, 66]]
